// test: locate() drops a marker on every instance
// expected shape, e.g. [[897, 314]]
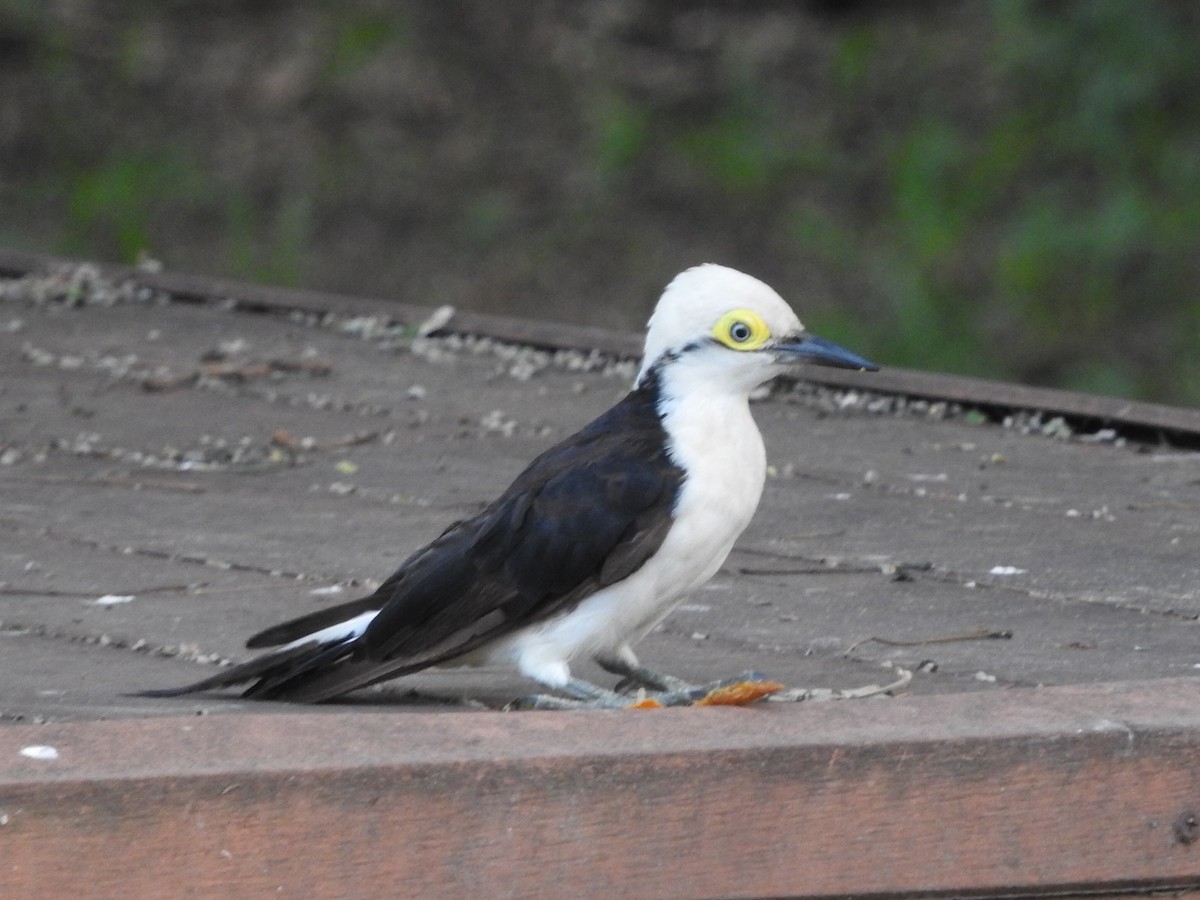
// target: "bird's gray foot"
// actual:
[[634, 675], [579, 694], [671, 691], [654, 690]]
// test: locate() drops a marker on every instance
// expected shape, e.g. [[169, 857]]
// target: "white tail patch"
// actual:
[[342, 631]]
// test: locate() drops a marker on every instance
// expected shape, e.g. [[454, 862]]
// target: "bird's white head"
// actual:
[[735, 327]]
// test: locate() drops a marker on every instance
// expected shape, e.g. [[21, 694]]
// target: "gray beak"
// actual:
[[820, 352]]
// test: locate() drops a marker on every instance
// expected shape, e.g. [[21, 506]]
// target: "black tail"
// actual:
[[271, 672], [274, 673]]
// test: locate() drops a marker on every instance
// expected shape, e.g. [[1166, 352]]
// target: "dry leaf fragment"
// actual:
[[741, 694]]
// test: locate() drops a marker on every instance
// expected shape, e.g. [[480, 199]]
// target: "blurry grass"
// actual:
[[269, 243], [114, 203], [358, 36], [620, 136], [1058, 243], [737, 149], [1051, 234]]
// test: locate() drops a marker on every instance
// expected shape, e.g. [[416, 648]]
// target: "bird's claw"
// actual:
[[552, 701], [741, 690]]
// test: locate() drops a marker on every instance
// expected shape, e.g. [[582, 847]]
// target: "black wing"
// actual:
[[583, 515]]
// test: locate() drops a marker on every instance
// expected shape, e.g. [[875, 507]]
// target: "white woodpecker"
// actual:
[[594, 543]]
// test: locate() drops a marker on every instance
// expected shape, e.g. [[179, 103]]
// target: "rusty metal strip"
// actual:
[[974, 392], [1019, 793]]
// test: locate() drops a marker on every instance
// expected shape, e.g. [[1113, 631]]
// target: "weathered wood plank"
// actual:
[[1064, 789], [1098, 542], [871, 525]]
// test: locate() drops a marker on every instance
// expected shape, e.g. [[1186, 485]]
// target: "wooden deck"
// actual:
[[183, 462]]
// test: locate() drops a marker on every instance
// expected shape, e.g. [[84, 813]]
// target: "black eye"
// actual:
[[739, 332]]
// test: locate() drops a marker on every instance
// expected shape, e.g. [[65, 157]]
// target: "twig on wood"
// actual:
[[811, 570], [15, 590], [137, 483], [286, 439], [979, 634], [796, 695], [237, 372]]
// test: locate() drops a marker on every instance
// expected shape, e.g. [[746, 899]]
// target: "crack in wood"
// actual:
[[186, 652], [166, 555]]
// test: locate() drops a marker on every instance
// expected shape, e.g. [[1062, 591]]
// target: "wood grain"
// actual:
[[1063, 789]]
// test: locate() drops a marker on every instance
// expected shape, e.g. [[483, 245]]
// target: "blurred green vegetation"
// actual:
[[1018, 200], [119, 195], [358, 37], [1058, 239]]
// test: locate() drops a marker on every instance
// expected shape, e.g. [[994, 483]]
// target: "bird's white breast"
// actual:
[[715, 440]]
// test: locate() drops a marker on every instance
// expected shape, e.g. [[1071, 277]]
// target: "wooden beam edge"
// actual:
[[272, 298], [963, 389], [1016, 792], [984, 393]]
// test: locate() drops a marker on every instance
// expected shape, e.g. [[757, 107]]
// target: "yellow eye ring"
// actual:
[[741, 329]]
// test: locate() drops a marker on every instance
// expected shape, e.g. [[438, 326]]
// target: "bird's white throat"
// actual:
[[713, 437]]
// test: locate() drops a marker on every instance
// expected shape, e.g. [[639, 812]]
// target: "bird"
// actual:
[[593, 544]]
